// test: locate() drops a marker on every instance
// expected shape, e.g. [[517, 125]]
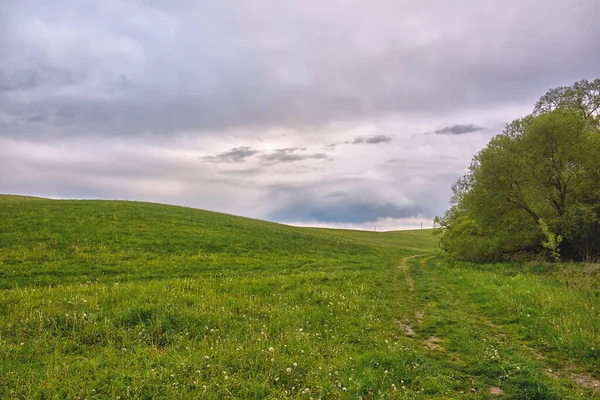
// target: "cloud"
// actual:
[[458, 129], [243, 172], [235, 155], [339, 200], [373, 139], [291, 154], [195, 67], [348, 212], [269, 91]]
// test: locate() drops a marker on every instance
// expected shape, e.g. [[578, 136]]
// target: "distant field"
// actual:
[[108, 299]]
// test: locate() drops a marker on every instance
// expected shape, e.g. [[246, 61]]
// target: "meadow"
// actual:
[[115, 299]]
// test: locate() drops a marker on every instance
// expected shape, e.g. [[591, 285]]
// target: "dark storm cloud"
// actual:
[[291, 154], [195, 66], [235, 155], [337, 200], [458, 129], [352, 212], [373, 139]]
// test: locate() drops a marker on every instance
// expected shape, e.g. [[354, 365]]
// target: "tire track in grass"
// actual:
[[405, 324], [553, 368], [433, 342], [494, 362], [404, 268]]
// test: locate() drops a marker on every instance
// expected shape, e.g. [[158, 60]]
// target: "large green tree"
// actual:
[[534, 188]]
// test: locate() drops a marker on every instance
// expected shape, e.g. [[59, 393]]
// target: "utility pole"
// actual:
[[421, 225]]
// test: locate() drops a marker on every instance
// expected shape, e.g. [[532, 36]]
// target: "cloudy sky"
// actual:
[[326, 113]]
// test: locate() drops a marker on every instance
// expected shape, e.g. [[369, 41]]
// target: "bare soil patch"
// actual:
[[496, 391], [408, 330], [433, 343]]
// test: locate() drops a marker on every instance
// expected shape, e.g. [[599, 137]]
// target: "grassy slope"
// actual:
[[102, 299]]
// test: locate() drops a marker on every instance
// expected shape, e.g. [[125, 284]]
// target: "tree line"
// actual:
[[535, 188]]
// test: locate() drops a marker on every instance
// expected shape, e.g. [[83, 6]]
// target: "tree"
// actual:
[[544, 167], [583, 98]]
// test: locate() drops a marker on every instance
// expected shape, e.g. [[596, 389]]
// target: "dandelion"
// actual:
[[307, 390], [271, 349], [295, 364], [288, 370]]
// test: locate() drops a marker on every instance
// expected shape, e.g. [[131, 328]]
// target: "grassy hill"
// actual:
[[107, 299], [61, 241]]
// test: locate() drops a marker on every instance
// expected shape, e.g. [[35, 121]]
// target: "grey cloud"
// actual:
[[351, 212], [243, 172], [338, 200], [284, 66], [94, 170], [235, 155], [458, 129], [37, 118], [373, 139], [291, 154]]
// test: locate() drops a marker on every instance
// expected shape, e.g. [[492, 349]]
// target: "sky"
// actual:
[[347, 114]]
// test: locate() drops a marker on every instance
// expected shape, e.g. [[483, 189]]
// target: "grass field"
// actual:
[[111, 299]]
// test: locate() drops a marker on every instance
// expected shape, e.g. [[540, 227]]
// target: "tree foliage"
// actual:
[[582, 98], [535, 188]]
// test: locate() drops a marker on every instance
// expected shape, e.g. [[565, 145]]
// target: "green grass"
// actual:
[[108, 299], [421, 241], [520, 328]]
